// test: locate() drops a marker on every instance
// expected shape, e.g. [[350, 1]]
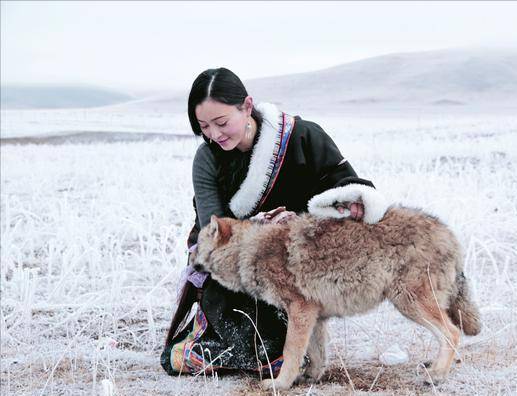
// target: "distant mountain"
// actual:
[[453, 77], [446, 77], [51, 97]]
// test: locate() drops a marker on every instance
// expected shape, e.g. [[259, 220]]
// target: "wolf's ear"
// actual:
[[221, 229], [214, 225]]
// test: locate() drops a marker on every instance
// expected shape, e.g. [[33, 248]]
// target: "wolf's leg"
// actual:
[[317, 351], [302, 318], [448, 335], [429, 314]]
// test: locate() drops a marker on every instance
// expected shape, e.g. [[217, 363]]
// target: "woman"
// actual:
[[260, 163]]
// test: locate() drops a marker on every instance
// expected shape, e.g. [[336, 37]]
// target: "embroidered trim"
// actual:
[[265, 163], [287, 128], [184, 359]]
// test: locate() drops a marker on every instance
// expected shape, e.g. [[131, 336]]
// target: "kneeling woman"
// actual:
[[261, 163]]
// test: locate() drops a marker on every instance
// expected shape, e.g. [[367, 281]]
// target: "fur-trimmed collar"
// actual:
[[245, 200], [375, 204]]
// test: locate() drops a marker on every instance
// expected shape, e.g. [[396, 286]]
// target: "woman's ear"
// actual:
[[248, 105]]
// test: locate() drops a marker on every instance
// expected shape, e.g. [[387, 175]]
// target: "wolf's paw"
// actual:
[[431, 374], [433, 381], [312, 374], [267, 384], [429, 363], [305, 379], [434, 378]]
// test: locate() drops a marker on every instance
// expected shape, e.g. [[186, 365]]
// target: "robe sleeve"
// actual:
[[336, 179], [206, 199], [206, 192]]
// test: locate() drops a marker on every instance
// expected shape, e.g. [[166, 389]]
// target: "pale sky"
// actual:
[[164, 45]]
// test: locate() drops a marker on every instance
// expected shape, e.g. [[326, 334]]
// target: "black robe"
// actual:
[[311, 165]]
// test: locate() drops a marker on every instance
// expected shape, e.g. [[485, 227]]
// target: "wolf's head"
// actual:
[[215, 253]]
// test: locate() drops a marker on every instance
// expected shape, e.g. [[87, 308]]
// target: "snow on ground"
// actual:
[[93, 244]]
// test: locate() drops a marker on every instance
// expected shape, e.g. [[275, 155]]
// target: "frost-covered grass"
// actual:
[[93, 244], [41, 122]]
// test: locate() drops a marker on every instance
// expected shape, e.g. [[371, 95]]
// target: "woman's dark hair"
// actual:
[[224, 86], [221, 85]]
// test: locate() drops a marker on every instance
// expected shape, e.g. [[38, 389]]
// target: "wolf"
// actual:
[[316, 268]]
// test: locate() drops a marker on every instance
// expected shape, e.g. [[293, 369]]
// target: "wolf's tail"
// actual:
[[462, 311]]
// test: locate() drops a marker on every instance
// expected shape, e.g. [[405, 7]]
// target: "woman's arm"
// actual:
[[206, 192], [338, 191], [325, 160]]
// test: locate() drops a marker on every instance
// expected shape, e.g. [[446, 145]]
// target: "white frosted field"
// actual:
[[112, 119], [93, 244]]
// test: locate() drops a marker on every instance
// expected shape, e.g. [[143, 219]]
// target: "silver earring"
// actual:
[[248, 130], [210, 140]]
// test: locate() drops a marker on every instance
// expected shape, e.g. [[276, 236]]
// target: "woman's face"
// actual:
[[224, 124]]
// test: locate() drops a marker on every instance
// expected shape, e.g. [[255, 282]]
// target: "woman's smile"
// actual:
[[223, 141]]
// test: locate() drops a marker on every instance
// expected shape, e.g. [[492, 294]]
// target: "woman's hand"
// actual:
[[356, 209], [275, 216]]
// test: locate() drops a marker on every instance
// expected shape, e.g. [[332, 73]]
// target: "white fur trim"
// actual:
[[375, 205], [250, 192]]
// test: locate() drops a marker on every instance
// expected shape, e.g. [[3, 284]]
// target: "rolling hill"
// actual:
[[53, 97], [452, 77]]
